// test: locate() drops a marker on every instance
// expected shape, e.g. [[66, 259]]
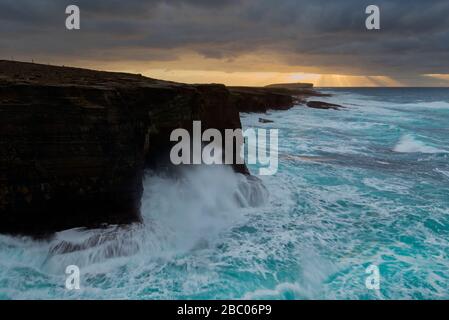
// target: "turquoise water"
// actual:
[[360, 187]]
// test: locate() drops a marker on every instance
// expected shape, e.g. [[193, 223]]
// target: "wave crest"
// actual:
[[408, 144]]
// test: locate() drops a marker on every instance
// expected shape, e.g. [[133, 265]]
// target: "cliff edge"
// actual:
[[74, 142]]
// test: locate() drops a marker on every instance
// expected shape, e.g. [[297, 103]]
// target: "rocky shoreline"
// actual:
[[74, 143]]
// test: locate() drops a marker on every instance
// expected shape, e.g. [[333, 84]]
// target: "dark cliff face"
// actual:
[[74, 142], [210, 104]]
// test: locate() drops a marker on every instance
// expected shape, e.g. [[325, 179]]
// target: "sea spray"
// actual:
[[409, 144], [198, 204], [180, 213]]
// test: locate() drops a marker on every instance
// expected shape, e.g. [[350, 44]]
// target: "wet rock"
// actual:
[[262, 120], [323, 105]]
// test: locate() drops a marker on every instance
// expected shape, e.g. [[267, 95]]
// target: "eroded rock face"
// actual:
[[74, 142]]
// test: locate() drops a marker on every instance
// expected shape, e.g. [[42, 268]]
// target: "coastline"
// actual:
[[78, 141]]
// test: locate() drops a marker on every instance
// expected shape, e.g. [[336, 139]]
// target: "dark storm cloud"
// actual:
[[414, 38]]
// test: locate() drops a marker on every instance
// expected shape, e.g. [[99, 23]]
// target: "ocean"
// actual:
[[368, 185]]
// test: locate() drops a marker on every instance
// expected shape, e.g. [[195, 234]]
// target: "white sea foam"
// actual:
[[389, 185], [442, 105], [443, 172], [312, 275], [282, 291], [408, 144]]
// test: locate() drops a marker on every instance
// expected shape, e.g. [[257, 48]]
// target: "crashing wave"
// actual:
[[179, 214], [408, 144]]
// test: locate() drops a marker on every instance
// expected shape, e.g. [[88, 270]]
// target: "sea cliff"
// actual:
[[74, 143]]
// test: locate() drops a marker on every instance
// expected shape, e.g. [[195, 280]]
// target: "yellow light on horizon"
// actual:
[[335, 80], [266, 78], [244, 78], [440, 76]]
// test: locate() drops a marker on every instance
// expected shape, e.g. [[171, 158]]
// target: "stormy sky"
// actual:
[[238, 41]]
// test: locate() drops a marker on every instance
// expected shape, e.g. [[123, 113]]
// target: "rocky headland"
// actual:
[[74, 143]]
